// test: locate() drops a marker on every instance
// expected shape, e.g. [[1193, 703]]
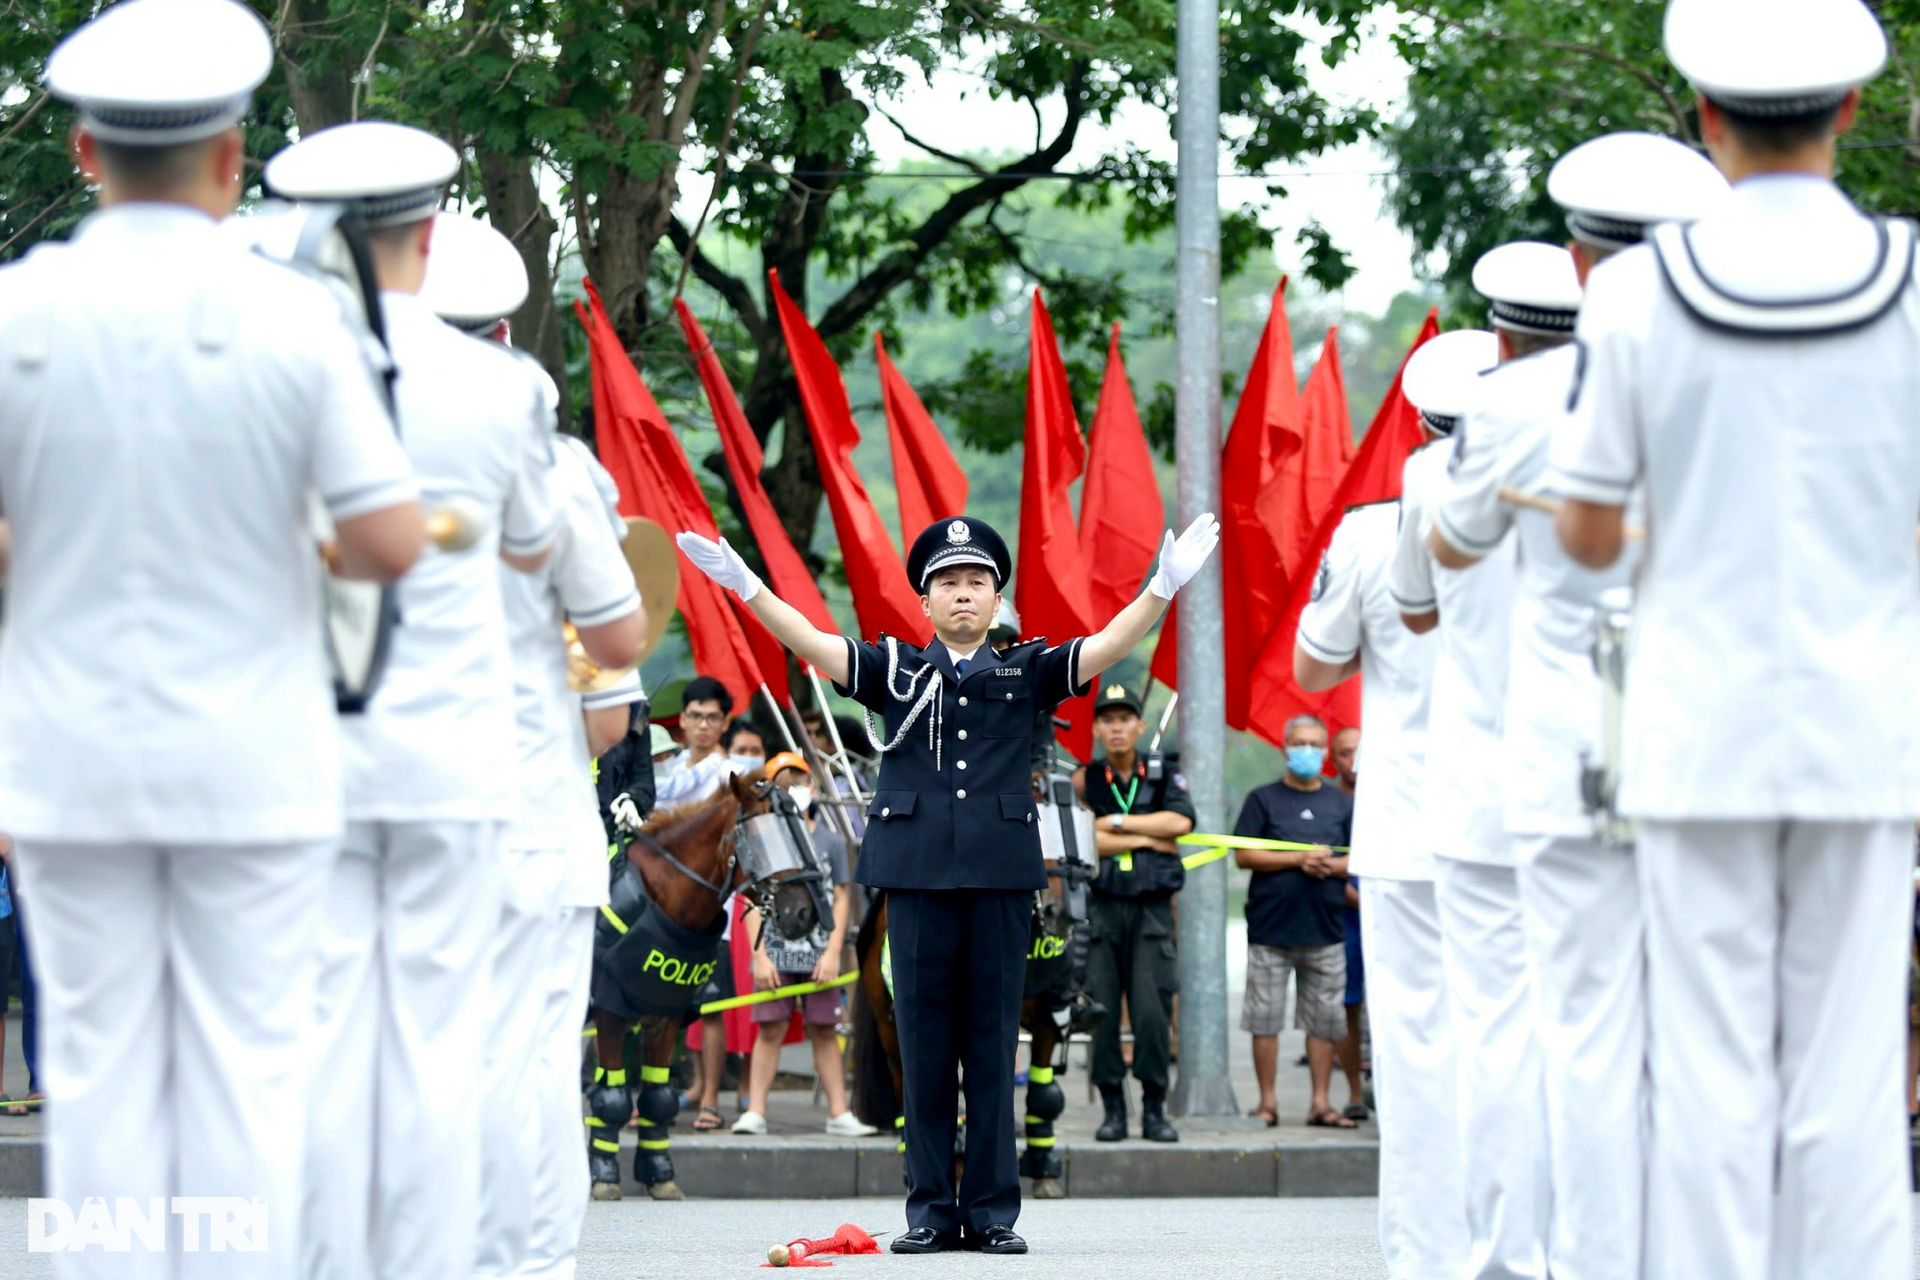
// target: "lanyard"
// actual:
[[1133, 789]]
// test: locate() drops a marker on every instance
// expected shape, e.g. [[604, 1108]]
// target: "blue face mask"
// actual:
[[747, 764], [1305, 762]]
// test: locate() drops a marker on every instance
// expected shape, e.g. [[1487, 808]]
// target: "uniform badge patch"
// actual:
[[1323, 575], [957, 532]]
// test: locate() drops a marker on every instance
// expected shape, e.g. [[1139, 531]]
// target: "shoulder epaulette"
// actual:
[[1854, 308]]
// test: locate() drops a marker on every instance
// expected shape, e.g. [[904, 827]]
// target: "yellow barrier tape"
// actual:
[[778, 993], [1215, 847]]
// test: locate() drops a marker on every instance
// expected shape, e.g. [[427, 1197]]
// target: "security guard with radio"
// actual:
[[952, 836], [1141, 807]]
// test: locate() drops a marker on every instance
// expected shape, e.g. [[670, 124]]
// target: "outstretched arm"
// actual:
[[1180, 559], [824, 652]]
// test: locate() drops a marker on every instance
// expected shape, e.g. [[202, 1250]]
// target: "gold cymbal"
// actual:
[[656, 572], [584, 675]]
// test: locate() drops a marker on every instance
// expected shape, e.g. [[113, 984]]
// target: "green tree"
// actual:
[[1500, 89]]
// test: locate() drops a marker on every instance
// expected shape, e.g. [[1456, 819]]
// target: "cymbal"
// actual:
[[656, 572]]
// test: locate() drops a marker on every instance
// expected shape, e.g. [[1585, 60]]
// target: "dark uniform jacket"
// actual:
[[956, 811], [1149, 873]]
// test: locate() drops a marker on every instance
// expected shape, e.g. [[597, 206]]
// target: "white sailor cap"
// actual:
[[1442, 378], [385, 173], [1616, 187], [157, 73], [1532, 286], [1775, 57], [475, 277]]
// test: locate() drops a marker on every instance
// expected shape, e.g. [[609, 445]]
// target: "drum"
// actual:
[[316, 240]]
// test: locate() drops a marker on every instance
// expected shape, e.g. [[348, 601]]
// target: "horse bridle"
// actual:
[[732, 875]]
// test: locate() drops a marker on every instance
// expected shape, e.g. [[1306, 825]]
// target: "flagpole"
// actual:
[[822, 767], [1166, 714], [1204, 1087]]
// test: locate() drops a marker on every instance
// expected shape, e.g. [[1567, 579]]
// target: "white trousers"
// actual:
[[561, 1184], [1776, 981], [1585, 932], [175, 983], [510, 1134], [393, 1186], [1503, 1108], [1423, 1229]]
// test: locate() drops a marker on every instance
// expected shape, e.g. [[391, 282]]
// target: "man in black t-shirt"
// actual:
[[1140, 807], [1294, 924]]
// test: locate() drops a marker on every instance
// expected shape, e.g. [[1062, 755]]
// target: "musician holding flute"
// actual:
[[1579, 893], [952, 837], [1756, 376], [433, 771], [168, 401]]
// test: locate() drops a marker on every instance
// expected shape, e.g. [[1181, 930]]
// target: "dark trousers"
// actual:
[[1133, 959], [959, 973]]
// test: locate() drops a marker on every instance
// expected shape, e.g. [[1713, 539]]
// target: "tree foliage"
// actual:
[[1500, 89]]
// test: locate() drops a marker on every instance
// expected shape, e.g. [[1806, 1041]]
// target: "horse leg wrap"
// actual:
[[652, 1163], [609, 1107], [1045, 1101]]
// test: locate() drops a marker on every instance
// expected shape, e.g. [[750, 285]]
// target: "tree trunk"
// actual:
[[517, 212], [321, 88]]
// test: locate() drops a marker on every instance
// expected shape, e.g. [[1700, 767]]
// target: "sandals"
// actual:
[[1271, 1117], [709, 1120], [1357, 1111], [1329, 1119]]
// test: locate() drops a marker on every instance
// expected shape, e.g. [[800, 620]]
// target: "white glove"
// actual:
[[721, 563], [1181, 559], [626, 814]]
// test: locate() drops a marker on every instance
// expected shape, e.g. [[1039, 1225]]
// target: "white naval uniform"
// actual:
[[1422, 1222], [1580, 898], [169, 758], [534, 1182], [432, 780], [1771, 752], [1503, 1145]]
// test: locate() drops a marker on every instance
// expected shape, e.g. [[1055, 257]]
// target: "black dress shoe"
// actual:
[[926, 1240], [996, 1237]]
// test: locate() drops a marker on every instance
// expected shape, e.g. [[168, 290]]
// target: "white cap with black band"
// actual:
[[160, 73]]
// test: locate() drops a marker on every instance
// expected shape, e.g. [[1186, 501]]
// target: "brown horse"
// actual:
[[877, 1084], [687, 861]]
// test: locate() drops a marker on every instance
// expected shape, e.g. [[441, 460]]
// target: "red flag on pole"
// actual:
[[1294, 504], [1121, 518], [787, 573], [1373, 476], [928, 481], [1050, 582], [656, 481], [1266, 431], [883, 600]]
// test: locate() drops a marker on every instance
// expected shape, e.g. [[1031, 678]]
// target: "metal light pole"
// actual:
[[1203, 1087]]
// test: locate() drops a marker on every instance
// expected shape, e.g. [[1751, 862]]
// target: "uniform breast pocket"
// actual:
[[1008, 712], [889, 805]]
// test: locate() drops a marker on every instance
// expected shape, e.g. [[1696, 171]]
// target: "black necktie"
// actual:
[[960, 667]]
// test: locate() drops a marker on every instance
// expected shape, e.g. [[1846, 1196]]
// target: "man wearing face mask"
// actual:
[[1294, 924], [778, 962]]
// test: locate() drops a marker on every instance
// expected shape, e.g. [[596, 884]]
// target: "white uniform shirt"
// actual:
[[437, 740], [1777, 610], [168, 400], [587, 581], [1553, 693], [1352, 613], [1463, 808]]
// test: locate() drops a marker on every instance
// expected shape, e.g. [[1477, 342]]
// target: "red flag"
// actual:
[[787, 573], [1266, 431], [883, 600], [1292, 507], [1121, 518], [1373, 476], [928, 481], [1050, 590], [656, 481]]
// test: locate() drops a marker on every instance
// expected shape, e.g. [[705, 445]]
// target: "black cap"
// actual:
[[961, 540], [1116, 695]]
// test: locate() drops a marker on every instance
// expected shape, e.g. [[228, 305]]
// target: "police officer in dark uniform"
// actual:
[[1140, 808], [952, 837]]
